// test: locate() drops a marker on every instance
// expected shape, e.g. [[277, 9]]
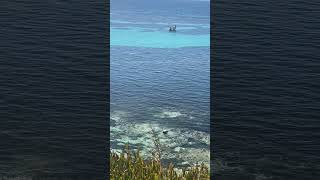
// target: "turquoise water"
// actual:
[[139, 37]]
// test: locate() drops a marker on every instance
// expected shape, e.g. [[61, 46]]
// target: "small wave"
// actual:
[[169, 114]]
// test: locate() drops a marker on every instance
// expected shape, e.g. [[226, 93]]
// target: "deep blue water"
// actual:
[[266, 98], [53, 89], [159, 79]]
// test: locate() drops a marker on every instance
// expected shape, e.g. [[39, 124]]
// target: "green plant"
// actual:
[[129, 165]]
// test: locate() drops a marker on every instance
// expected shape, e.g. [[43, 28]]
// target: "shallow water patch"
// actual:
[[138, 37], [181, 145]]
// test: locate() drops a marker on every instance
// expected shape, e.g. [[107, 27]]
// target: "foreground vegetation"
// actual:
[[129, 165]]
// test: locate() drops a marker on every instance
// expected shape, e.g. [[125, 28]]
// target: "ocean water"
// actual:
[[265, 90], [53, 89], [265, 86], [160, 80]]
